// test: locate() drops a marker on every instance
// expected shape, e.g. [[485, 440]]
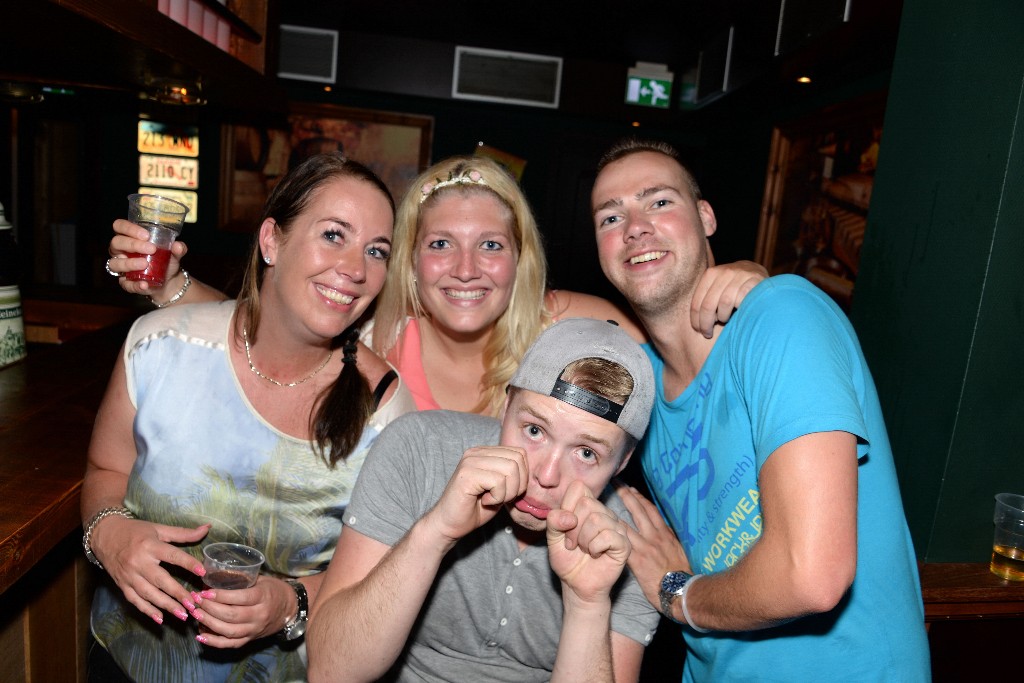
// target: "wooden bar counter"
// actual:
[[47, 406], [975, 621], [968, 590]]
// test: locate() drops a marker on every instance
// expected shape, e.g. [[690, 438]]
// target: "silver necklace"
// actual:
[[248, 357]]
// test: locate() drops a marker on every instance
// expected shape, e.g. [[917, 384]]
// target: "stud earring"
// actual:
[[266, 259]]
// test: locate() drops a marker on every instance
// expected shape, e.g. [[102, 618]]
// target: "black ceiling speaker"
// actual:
[[802, 20], [308, 54], [510, 77]]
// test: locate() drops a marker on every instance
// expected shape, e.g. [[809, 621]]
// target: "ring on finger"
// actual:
[[107, 267]]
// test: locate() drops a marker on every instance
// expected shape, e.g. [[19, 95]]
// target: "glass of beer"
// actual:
[[1008, 543], [231, 565]]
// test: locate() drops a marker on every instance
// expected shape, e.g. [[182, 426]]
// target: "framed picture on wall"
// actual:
[[395, 146], [821, 172]]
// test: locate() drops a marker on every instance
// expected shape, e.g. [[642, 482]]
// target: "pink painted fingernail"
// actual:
[[188, 604], [158, 618], [209, 594], [197, 615], [199, 570], [197, 597], [180, 613], [201, 638]]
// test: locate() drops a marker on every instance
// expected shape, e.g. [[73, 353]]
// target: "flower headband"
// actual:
[[465, 178]]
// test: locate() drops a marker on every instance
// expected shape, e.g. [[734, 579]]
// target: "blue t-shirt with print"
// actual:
[[787, 364]]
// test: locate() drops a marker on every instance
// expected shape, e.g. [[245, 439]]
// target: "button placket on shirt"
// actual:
[[509, 590]]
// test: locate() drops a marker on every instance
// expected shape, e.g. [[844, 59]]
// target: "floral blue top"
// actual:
[[206, 456]]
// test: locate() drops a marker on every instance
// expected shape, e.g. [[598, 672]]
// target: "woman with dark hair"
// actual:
[[242, 421]]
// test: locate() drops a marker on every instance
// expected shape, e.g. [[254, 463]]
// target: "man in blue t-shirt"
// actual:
[[786, 554]]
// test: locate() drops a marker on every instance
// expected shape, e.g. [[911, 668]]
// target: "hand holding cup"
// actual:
[[163, 218], [231, 566]]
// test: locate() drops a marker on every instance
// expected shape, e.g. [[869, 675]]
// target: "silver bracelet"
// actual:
[[181, 292], [682, 604], [93, 521]]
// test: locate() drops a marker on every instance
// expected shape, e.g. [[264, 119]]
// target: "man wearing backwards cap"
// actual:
[[461, 561]]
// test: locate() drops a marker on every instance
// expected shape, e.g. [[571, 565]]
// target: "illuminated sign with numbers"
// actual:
[[161, 138], [168, 171]]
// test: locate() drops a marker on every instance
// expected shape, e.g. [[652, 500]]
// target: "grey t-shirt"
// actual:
[[494, 613]]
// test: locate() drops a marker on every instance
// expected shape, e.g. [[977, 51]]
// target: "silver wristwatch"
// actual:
[[669, 589], [296, 626]]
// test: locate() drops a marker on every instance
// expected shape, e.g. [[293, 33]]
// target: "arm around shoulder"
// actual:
[[720, 291], [563, 304]]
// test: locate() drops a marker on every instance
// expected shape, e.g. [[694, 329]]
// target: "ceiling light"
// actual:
[[168, 91], [19, 93]]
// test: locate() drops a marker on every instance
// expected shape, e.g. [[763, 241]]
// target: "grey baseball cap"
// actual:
[[573, 339]]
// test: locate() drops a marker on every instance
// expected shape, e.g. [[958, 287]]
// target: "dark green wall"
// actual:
[[939, 295]]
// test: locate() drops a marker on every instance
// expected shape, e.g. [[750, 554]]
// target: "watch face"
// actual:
[[296, 631], [671, 586], [673, 582]]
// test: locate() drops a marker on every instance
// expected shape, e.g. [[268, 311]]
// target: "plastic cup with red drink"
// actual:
[[163, 218]]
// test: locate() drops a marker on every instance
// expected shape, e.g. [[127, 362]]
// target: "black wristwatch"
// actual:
[[670, 588], [296, 626]]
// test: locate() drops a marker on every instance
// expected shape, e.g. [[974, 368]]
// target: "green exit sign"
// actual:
[[649, 92]]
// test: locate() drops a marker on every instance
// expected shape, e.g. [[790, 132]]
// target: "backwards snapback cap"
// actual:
[[574, 339]]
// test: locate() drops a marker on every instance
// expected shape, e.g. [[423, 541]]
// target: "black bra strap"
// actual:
[[382, 387]]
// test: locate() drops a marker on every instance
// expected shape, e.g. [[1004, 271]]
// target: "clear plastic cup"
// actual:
[[163, 218], [1008, 540], [231, 565]]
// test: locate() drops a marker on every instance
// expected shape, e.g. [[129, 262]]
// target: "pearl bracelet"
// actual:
[[181, 292], [682, 604], [93, 521]]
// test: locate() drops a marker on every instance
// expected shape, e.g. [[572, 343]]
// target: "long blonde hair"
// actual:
[[525, 316]]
